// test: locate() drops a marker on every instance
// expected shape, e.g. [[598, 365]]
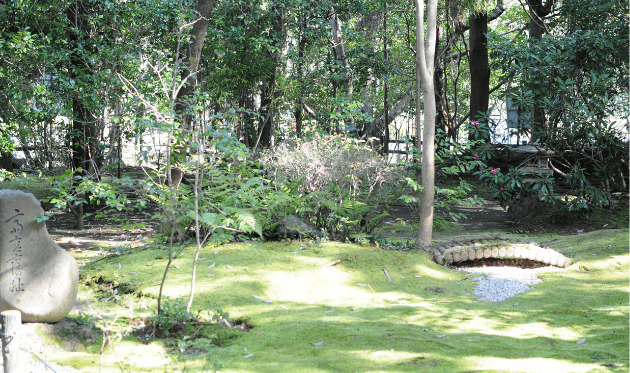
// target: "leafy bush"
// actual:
[[339, 183], [232, 197], [582, 178], [74, 190]]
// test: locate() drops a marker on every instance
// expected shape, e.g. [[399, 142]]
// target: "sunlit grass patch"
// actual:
[[330, 307]]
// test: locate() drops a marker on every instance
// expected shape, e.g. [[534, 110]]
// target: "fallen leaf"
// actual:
[[329, 311], [119, 266], [362, 285], [248, 356], [417, 275], [202, 259], [176, 266], [257, 297], [229, 266], [216, 252], [212, 265], [209, 275], [284, 308], [318, 343], [440, 336], [581, 341]]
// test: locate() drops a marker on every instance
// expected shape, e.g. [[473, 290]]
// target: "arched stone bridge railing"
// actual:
[[468, 248]]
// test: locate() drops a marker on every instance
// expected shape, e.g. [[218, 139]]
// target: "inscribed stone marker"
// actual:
[[37, 277]]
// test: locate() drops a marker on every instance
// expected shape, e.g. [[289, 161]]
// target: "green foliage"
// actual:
[[172, 314], [577, 74], [6, 175], [73, 190], [584, 196]]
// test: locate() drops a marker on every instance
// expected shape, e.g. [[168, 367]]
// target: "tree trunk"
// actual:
[[440, 91], [6, 161], [266, 111], [80, 133], [479, 69], [269, 91], [299, 67], [385, 138], [537, 11], [339, 52], [189, 73], [425, 59]]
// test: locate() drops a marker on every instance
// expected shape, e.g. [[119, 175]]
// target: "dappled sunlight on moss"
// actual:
[[388, 356], [530, 330], [525, 365], [293, 297]]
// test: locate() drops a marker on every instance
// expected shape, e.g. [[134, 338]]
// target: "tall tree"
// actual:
[[537, 12], [479, 69], [425, 62], [478, 62], [269, 89], [189, 74]]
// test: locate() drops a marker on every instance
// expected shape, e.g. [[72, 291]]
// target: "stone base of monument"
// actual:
[[37, 277]]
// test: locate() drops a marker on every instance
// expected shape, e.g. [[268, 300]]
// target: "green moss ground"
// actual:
[[375, 325]]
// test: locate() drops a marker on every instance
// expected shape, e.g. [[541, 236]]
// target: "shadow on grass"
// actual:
[[575, 321]]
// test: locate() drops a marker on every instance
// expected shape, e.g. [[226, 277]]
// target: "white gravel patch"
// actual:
[[500, 283]]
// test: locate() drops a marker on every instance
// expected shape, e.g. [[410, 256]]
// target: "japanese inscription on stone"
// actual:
[[15, 232]]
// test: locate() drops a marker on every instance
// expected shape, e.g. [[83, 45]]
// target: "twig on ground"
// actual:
[[387, 274]]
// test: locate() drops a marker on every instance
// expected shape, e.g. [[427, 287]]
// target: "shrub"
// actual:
[[339, 183]]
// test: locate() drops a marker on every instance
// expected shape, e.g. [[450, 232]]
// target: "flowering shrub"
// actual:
[[339, 183], [507, 185]]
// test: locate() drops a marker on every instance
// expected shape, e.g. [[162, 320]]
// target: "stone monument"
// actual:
[[37, 277]]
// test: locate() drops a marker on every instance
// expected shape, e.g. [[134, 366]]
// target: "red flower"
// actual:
[[487, 148], [476, 156], [474, 123], [501, 188], [494, 171], [480, 169]]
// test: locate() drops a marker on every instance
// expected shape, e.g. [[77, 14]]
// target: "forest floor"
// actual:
[[109, 243]]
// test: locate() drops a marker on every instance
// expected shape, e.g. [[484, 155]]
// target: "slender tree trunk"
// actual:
[[80, 133], [189, 73], [385, 83], [537, 11], [269, 87], [299, 67], [440, 89], [339, 52], [425, 59], [479, 68]]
